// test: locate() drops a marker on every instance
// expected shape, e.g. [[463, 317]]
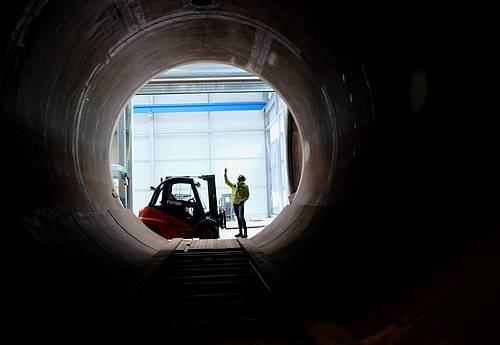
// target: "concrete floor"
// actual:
[[254, 226]]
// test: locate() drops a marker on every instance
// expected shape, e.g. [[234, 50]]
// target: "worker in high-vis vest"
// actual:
[[239, 194]]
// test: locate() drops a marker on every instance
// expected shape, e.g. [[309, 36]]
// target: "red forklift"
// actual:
[[176, 210]]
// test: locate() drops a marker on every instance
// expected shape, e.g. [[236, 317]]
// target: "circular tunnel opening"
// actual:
[[68, 69], [79, 108], [195, 120]]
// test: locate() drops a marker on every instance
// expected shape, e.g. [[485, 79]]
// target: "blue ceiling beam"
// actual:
[[198, 107]]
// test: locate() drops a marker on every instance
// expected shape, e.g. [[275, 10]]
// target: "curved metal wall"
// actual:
[[69, 68]]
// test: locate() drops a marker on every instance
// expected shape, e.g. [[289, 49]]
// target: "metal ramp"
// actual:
[[214, 296], [210, 288]]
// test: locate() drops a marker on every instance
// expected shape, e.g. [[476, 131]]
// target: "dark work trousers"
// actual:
[[239, 211]]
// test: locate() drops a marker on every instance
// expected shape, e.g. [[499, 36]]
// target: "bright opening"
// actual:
[[196, 120]]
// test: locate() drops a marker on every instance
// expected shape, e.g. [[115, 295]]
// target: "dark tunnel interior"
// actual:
[[393, 229]]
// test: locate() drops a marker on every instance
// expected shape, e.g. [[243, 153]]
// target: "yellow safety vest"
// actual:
[[239, 191]]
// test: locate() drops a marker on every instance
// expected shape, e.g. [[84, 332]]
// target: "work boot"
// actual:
[[244, 236], [238, 235]]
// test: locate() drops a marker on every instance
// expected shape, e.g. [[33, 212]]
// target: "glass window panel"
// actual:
[[273, 112], [203, 193], [284, 174], [282, 103], [160, 198], [183, 192], [276, 200], [276, 180], [282, 147], [274, 132], [274, 154], [283, 122], [285, 198]]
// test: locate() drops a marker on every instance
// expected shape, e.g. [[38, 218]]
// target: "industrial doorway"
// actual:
[[198, 119]]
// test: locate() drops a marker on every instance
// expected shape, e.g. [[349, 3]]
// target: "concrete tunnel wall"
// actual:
[[367, 206]]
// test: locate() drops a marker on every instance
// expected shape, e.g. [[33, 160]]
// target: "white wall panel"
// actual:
[[275, 115], [181, 122], [256, 204], [141, 199], [142, 123], [181, 168], [197, 143], [141, 99], [142, 175], [253, 169], [237, 120], [238, 145], [179, 99], [181, 146], [142, 148], [236, 97]]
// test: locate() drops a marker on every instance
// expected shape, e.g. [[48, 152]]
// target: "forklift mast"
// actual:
[[212, 196]]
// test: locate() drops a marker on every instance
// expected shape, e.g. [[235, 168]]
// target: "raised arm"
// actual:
[[232, 185]]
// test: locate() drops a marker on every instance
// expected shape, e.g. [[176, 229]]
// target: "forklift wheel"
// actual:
[[208, 231]]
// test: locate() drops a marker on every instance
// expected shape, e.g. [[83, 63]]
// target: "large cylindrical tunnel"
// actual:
[[386, 231]]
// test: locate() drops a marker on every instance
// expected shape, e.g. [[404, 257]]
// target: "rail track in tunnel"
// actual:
[[217, 295]]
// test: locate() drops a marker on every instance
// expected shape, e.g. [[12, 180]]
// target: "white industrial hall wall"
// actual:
[[195, 140]]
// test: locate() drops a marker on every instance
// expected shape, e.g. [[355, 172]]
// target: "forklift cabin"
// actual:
[[176, 210]]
